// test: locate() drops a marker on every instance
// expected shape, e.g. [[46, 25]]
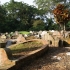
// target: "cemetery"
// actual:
[[28, 50], [35, 37], [21, 50]]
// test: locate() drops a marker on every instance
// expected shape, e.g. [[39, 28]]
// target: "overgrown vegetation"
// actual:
[[28, 46], [19, 16]]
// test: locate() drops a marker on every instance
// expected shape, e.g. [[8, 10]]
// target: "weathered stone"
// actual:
[[57, 34], [16, 33], [31, 32], [46, 36], [5, 54], [20, 39], [3, 37]]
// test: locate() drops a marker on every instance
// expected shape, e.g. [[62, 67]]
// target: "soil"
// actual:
[[56, 58], [25, 48], [20, 54]]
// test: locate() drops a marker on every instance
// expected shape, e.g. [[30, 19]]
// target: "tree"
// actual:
[[62, 15], [68, 26], [20, 16], [2, 18], [49, 5], [38, 25], [49, 24]]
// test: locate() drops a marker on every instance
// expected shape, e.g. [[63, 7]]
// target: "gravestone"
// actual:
[[57, 34], [11, 33], [39, 33], [31, 32], [52, 40], [6, 33], [8, 36], [3, 36], [2, 43], [43, 34], [5, 56], [25, 35], [67, 34], [16, 33], [57, 38], [20, 38]]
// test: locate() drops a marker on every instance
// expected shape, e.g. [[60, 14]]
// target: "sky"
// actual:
[[30, 2]]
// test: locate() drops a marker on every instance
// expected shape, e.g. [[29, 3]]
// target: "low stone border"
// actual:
[[24, 60]]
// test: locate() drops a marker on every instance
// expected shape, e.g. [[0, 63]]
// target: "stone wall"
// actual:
[[30, 57]]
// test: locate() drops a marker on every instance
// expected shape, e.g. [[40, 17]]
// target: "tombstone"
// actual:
[[5, 56], [16, 33], [67, 34], [51, 31], [57, 34], [43, 34], [49, 38], [31, 32], [3, 36], [37, 36], [11, 33], [39, 33], [8, 36], [2, 43], [20, 38], [25, 35]]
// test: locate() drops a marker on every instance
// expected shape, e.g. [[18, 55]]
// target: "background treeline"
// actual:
[[19, 16]]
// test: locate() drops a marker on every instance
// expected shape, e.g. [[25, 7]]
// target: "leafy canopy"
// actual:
[[49, 5], [61, 14]]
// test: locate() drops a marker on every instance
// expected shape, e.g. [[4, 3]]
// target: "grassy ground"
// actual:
[[24, 32], [29, 46]]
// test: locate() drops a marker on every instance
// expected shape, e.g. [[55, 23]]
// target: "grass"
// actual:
[[24, 32], [28, 46]]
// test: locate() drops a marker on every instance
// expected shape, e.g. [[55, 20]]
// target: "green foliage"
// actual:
[[39, 25], [23, 32], [56, 27], [29, 46], [2, 18], [62, 15], [49, 5], [68, 26], [19, 16]]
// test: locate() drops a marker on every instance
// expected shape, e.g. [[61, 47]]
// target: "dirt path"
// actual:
[[55, 59]]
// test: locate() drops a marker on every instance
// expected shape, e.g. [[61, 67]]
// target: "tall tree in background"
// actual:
[[20, 14], [62, 15], [49, 5], [2, 18], [38, 25]]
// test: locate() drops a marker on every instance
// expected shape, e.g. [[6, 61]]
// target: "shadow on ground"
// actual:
[[45, 59]]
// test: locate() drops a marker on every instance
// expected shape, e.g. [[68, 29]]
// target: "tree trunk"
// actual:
[[64, 30]]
